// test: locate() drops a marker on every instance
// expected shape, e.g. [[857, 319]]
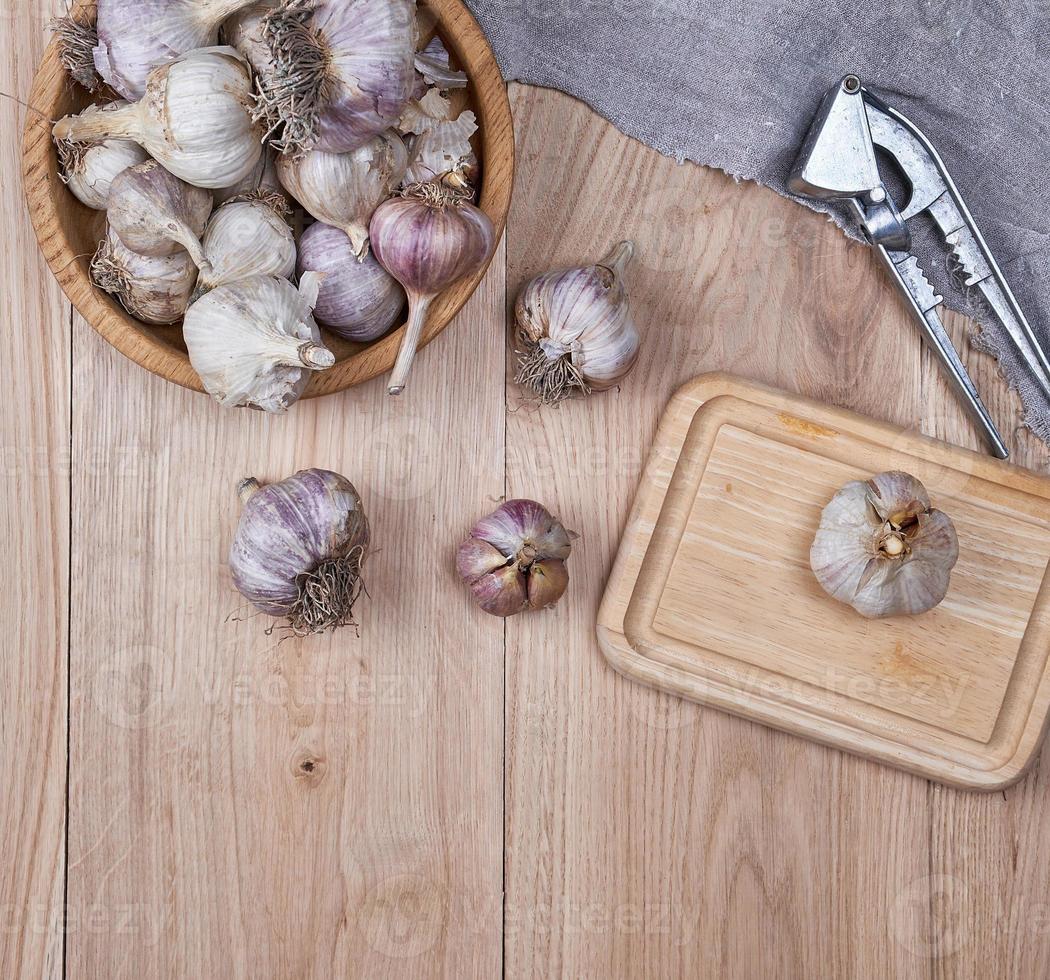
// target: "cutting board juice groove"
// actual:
[[712, 598]]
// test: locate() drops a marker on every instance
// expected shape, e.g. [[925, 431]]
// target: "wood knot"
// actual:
[[308, 767]]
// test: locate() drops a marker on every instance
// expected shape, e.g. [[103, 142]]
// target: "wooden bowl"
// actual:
[[69, 233]]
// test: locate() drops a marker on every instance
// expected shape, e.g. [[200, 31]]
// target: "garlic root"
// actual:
[[76, 50]]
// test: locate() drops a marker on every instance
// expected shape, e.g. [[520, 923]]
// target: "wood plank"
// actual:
[[647, 836], [34, 436], [987, 879], [268, 807]]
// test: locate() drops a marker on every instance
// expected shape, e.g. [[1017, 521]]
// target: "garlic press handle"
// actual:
[[912, 284]]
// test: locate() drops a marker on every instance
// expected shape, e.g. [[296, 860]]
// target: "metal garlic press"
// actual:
[[837, 162]]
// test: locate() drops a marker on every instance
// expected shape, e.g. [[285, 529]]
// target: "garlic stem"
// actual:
[[247, 489], [120, 123], [417, 315], [313, 356], [619, 258]]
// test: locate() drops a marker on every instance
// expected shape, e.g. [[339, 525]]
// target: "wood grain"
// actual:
[[644, 836], [647, 836], [256, 805], [34, 436], [712, 596], [69, 233]]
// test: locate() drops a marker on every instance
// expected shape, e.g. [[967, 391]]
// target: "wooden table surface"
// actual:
[[449, 795]]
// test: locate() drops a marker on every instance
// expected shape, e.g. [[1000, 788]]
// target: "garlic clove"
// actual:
[[476, 558], [156, 214], [548, 581], [883, 549], [155, 290], [502, 592], [344, 189], [358, 299], [520, 522], [575, 329], [254, 342], [245, 239]]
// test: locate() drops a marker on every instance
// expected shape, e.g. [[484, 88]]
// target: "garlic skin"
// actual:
[[195, 119], [514, 559], [246, 31], [154, 290], [883, 549], [344, 189], [359, 300], [246, 239], [576, 329], [156, 214], [88, 169], [440, 145], [341, 72], [299, 548], [136, 36], [427, 239], [254, 342], [432, 64]]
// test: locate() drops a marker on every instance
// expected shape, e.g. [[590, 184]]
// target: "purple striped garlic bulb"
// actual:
[[358, 299], [575, 329], [428, 238], [340, 73], [130, 38], [299, 549], [514, 559], [883, 549]]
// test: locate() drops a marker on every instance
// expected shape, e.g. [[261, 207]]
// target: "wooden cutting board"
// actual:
[[712, 598]]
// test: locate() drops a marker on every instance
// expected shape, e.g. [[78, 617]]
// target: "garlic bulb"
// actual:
[[883, 549], [299, 548], [515, 558], [341, 72], [154, 290], [344, 189], [245, 239], [576, 329], [359, 299], [440, 145], [136, 36], [195, 119], [427, 239], [254, 342], [88, 169], [156, 214]]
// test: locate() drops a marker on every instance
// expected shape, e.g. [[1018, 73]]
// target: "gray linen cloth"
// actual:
[[734, 84]]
